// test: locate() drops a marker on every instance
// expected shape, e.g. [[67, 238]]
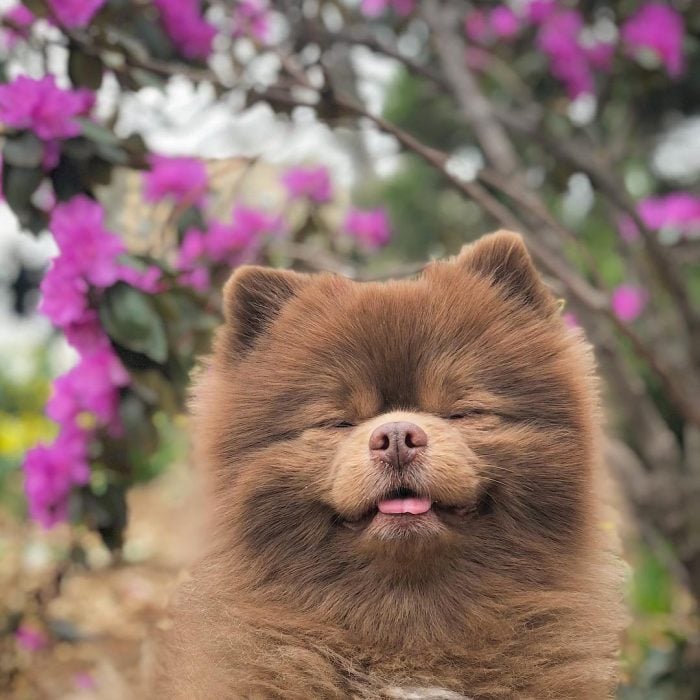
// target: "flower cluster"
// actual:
[[658, 28], [562, 36], [484, 26], [375, 8], [251, 18], [43, 107], [184, 180], [559, 37], [677, 211], [191, 34], [74, 13], [313, 183], [628, 302], [370, 227], [223, 244], [18, 19], [88, 395]]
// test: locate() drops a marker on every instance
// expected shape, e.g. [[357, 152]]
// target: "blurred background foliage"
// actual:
[[361, 138]]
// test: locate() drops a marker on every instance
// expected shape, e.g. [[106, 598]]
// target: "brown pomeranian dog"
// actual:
[[403, 493]]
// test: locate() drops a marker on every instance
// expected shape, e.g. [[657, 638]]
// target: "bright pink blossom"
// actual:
[[63, 294], [370, 227], [375, 8], [558, 39], [539, 10], [628, 302], [183, 179], [147, 280], [312, 183], [86, 246], [91, 386], [248, 226], [197, 278], [74, 13], [657, 27], [191, 34], [251, 18], [52, 471], [192, 249], [43, 107], [30, 638], [677, 210], [86, 334], [89, 256], [224, 242], [504, 22], [19, 19]]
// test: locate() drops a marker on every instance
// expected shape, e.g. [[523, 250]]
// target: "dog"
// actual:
[[403, 493]]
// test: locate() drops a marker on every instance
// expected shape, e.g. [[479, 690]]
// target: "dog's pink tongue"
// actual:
[[415, 506]]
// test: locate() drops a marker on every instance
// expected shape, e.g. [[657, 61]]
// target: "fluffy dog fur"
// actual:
[[508, 592]]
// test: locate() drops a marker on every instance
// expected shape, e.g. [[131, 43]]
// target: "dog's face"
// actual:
[[402, 429]]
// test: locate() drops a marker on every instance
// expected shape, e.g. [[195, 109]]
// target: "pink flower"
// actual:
[[86, 334], [628, 302], [21, 19], [558, 39], [86, 246], [30, 638], [659, 28], [370, 227], [247, 228], [92, 386], [43, 107], [192, 249], [147, 280], [679, 210], [600, 55], [63, 294], [504, 22], [540, 10], [250, 18], [313, 183], [183, 179], [198, 279], [224, 242], [188, 30], [476, 26], [375, 8], [74, 13], [52, 471]]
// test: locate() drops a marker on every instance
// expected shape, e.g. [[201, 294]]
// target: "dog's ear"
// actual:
[[253, 298], [503, 258]]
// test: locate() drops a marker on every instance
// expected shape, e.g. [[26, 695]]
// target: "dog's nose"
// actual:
[[397, 444]]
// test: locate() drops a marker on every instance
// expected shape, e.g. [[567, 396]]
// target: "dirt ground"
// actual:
[[87, 637]]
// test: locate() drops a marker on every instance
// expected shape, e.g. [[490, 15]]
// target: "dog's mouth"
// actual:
[[408, 506], [404, 501]]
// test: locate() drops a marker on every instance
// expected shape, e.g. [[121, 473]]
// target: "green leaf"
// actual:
[[24, 150], [131, 319], [97, 132], [19, 184], [84, 70]]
